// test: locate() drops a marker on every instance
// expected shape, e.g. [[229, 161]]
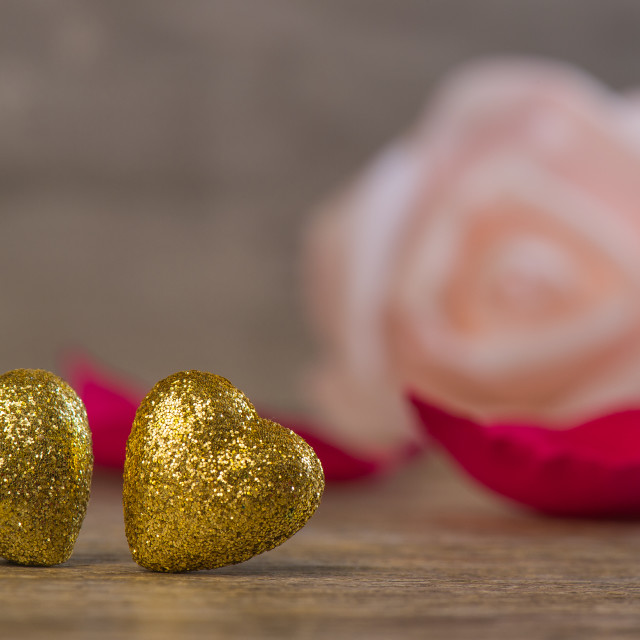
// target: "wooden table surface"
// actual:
[[423, 554]]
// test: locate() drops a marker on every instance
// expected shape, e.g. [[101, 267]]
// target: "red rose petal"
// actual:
[[591, 470], [340, 465], [111, 407]]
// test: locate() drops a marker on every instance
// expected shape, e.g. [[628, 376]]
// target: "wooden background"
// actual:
[[421, 555], [158, 160]]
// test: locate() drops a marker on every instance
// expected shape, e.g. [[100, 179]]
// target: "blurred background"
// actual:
[[158, 160]]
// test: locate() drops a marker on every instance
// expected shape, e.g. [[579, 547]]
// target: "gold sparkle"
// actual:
[[207, 482], [46, 464]]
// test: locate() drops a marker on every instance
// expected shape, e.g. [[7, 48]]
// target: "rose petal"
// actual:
[[339, 465], [111, 405], [590, 470]]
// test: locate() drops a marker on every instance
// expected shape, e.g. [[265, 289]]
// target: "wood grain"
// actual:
[[420, 555]]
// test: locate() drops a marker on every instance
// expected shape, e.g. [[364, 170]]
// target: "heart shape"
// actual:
[[46, 464], [207, 481]]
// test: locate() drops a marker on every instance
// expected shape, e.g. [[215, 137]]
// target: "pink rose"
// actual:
[[489, 261]]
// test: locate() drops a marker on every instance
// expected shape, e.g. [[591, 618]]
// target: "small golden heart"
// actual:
[[207, 482], [46, 463]]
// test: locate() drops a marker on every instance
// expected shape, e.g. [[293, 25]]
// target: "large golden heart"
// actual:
[[208, 482]]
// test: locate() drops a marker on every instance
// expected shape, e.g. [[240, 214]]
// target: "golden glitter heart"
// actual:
[[207, 482], [46, 463]]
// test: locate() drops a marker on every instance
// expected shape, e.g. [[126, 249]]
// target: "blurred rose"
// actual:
[[489, 261]]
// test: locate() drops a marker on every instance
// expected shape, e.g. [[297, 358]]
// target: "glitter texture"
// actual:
[[45, 467], [207, 482]]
